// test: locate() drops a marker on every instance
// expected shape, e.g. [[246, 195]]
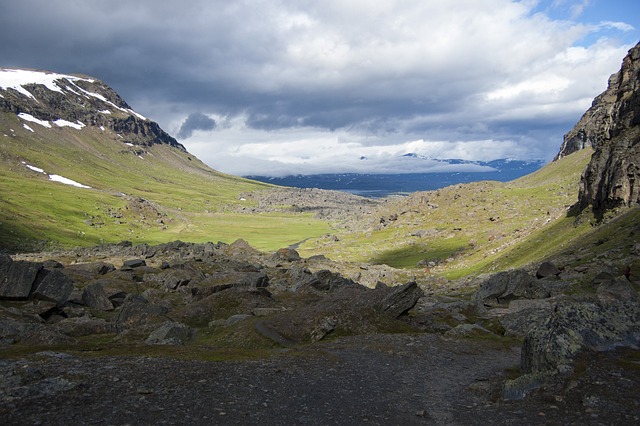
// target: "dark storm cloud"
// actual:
[[373, 72], [195, 121]]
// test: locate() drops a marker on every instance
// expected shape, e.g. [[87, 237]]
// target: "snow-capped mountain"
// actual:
[[48, 100]]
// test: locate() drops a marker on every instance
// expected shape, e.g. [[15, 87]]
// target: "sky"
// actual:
[[279, 87]]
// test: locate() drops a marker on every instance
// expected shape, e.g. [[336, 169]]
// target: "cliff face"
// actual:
[[612, 127], [79, 100]]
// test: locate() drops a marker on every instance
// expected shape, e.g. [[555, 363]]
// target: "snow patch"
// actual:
[[34, 168], [105, 111], [64, 123], [16, 79], [128, 143], [27, 127], [66, 181], [56, 178], [102, 128], [29, 117]]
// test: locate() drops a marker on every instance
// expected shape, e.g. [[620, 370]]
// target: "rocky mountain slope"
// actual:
[[46, 98], [612, 127]]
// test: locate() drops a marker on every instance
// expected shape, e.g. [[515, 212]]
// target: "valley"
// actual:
[[139, 285]]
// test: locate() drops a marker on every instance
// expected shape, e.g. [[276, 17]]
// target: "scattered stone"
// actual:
[[503, 287], [17, 278], [326, 326], [574, 326], [171, 333], [547, 269], [55, 287], [132, 264], [94, 296], [401, 299]]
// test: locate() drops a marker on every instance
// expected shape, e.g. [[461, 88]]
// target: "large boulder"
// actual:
[[503, 287], [94, 296], [55, 287], [401, 299], [574, 326], [17, 278], [137, 311]]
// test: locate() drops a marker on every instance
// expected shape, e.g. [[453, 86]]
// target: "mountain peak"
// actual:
[[45, 97]]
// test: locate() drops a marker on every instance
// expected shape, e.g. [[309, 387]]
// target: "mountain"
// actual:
[[612, 127], [446, 172], [79, 166], [75, 101]]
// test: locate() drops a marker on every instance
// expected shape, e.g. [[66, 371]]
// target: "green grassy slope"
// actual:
[[143, 194], [469, 229]]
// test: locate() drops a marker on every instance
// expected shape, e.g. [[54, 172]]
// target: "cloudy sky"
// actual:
[[277, 87]]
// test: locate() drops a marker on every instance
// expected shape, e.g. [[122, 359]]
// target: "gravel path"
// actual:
[[375, 380]]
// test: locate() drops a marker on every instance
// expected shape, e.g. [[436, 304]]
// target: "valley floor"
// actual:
[[375, 379]]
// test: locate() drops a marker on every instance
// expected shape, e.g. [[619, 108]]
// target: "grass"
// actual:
[[166, 195], [473, 228]]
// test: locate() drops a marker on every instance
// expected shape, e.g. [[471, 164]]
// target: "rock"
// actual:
[[171, 279], [520, 387], [286, 255], [525, 314], [171, 333], [133, 263], [55, 287], [136, 311], [574, 326], [617, 289], [547, 269], [17, 278], [325, 280], [401, 299], [94, 296], [230, 279], [326, 326], [503, 287]]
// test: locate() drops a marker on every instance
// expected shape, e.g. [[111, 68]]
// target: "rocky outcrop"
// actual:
[[612, 127], [163, 294], [81, 101]]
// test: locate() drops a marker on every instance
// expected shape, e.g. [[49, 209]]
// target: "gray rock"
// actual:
[[137, 311], [574, 326], [94, 296], [503, 287], [618, 289], [55, 287], [171, 279], [547, 269], [171, 333], [133, 263], [401, 299], [325, 280], [523, 315], [17, 278], [326, 326]]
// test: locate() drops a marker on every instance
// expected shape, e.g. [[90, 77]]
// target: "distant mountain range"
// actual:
[[382, 185]]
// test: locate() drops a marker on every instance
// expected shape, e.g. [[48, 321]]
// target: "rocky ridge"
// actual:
[[75, 101], [612, 127]]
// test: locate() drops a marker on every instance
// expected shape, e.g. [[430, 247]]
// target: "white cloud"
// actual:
[[314, 85]]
